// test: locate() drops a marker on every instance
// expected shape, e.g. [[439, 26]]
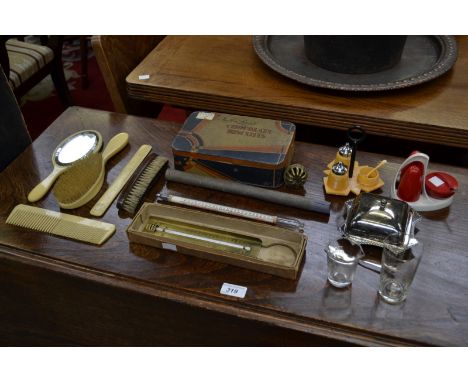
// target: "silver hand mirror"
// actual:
[[69, 151]]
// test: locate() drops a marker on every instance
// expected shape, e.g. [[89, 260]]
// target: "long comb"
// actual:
[[60, 224], [136, 189]]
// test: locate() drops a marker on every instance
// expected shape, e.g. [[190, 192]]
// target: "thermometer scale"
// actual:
[[285, 222]]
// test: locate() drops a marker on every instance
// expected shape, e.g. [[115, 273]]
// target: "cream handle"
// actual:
[[117, 143], [108, 197], [41, 189]]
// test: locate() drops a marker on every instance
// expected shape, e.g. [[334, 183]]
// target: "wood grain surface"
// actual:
[[58, 291], [223, 73]]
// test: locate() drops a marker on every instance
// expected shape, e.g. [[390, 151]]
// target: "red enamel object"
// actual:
[[411, 181], [440, 185]]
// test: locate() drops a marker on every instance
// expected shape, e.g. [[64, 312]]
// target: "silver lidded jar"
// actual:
[[372, 219]]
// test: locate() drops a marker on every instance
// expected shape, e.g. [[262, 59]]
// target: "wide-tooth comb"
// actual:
[[60, 224], [144, 178]]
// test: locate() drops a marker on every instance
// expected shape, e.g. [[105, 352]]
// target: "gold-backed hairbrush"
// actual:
[[82, 182]]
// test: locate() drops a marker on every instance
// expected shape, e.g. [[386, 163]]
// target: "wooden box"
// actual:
[[257, 246], [251, 150]]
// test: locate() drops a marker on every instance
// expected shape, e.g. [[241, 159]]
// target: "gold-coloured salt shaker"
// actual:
[[344, 154]]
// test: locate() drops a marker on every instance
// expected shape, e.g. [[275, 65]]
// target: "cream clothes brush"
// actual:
[[111, 193], [144, 178]]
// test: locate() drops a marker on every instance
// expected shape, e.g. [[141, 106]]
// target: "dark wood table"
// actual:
[[223, 73], [55, 291]]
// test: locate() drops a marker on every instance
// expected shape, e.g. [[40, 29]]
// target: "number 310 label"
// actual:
[[233, 290]]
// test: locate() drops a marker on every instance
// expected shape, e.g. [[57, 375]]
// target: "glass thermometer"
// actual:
[[163, 229], [285, 222], [210, 237]]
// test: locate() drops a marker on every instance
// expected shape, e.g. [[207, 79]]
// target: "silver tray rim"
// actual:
[[445, 61]]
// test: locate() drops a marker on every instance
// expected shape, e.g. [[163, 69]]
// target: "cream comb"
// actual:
[[60, 224]]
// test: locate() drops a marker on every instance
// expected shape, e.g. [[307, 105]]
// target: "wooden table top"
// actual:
[[223, 73], [435, 313]]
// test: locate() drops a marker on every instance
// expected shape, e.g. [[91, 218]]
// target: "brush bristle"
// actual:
[[60, 224], [78, 179], [142, 184]]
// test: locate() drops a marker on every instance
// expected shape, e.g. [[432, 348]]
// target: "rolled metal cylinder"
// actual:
[[278, 197]]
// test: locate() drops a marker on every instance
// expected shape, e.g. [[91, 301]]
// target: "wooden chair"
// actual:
[[117, 56], [26, 64], [14, 136], [84, 61]]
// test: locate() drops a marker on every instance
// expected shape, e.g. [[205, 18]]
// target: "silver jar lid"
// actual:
[[346, 150], [339, 168], [371, 219]]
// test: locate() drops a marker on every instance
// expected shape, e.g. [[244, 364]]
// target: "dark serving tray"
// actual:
[[424, 58]]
